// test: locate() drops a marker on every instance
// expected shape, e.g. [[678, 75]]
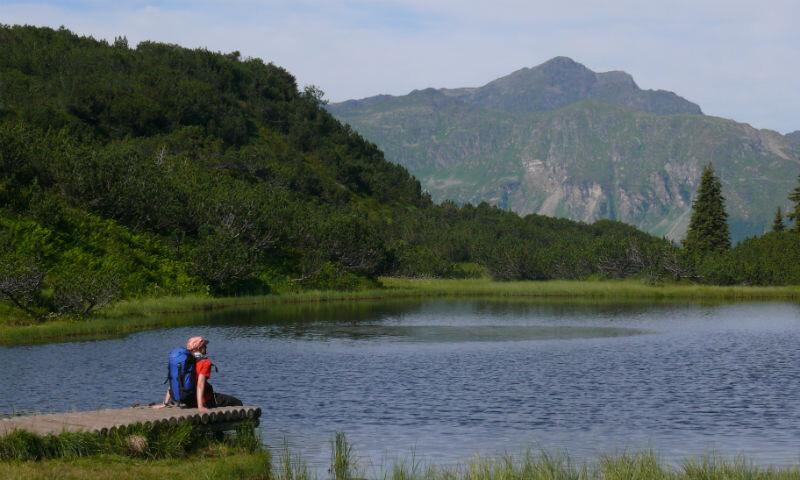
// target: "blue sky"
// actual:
[[736, 59]]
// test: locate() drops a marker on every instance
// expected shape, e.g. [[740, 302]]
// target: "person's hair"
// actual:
[[196, 343]]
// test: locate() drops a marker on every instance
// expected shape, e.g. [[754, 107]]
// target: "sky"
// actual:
[[736, 59]]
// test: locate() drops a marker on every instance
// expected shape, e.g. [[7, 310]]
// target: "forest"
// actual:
[[159, 170]]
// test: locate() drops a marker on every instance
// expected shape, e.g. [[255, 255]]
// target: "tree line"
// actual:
[[771, 259]]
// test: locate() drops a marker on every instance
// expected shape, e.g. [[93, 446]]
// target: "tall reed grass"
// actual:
[[291, 467], [343, 464]]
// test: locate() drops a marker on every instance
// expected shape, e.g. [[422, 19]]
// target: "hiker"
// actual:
[[194, 367]]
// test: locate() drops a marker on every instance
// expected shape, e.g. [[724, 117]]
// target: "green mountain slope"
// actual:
[[561, 140]]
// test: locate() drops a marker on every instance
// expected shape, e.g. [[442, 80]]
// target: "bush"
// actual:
[[21, 280], [468, 270], [419, 261], [79, 290], [332, 276]]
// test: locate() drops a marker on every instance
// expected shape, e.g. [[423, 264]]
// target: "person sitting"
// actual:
[[203, 397]]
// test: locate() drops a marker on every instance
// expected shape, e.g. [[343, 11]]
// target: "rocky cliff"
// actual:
[[561, 140]]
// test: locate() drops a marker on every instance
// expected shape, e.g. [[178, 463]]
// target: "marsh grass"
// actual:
[[343, 462], [712, 467], [627, 466], [634, 466], [136, 315], [529, 466], [291, 467], [239, 466], [599, 289], [197, 303], [241, 456]]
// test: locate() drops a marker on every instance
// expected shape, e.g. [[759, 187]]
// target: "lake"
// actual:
[[444, 380]]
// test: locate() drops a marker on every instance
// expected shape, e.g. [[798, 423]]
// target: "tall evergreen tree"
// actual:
[[777, 224], [795, 213], [708, 227]]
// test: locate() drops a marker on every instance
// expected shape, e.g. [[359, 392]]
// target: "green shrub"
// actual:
[[468, 270], [332, 276]]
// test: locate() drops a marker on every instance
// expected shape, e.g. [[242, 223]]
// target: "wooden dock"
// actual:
[[111, 420]]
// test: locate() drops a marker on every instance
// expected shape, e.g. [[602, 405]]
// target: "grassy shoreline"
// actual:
[[136, 452], [258, 466], [137, 315], [245, 458]]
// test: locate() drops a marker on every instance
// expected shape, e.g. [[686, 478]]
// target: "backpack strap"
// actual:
[[180, 382], [181, 372]]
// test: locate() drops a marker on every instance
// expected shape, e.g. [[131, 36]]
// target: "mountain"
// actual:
[[794, 139], [561, 140]]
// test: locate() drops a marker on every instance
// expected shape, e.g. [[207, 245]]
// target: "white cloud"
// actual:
[[736, 59]]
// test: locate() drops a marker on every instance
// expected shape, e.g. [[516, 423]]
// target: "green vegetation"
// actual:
[[214, 465], [620, 290], [137, 452], [770, 259], [794, 197], [708, 227], [158, 171], [629, 466], [174, 441], [149, 313], [222, 460], [777, 223]]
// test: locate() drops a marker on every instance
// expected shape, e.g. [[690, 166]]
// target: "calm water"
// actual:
[[449, 379]]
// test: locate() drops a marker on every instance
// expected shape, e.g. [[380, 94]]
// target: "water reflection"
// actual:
[[451, 333]]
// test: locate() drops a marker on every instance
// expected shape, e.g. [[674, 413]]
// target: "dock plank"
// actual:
[[104, 420]]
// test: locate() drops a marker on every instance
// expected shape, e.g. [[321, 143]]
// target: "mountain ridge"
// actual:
[[554, 84], [631, 155]]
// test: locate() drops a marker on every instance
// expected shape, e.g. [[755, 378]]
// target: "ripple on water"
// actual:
[[474, 333]]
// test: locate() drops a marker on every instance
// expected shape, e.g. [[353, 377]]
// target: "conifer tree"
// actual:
[[708, 227], [777, 224], [795, 213]]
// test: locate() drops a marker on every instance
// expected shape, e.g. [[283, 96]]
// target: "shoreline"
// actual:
[[140, 453], [131, 316]]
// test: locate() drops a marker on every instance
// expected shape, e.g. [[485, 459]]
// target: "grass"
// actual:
[[148, 313], [292, 467], [103, 467], [241, 458], [343, 465], [178, 451], [546, 466], [629, 466], [174, 441], [599, 289]]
